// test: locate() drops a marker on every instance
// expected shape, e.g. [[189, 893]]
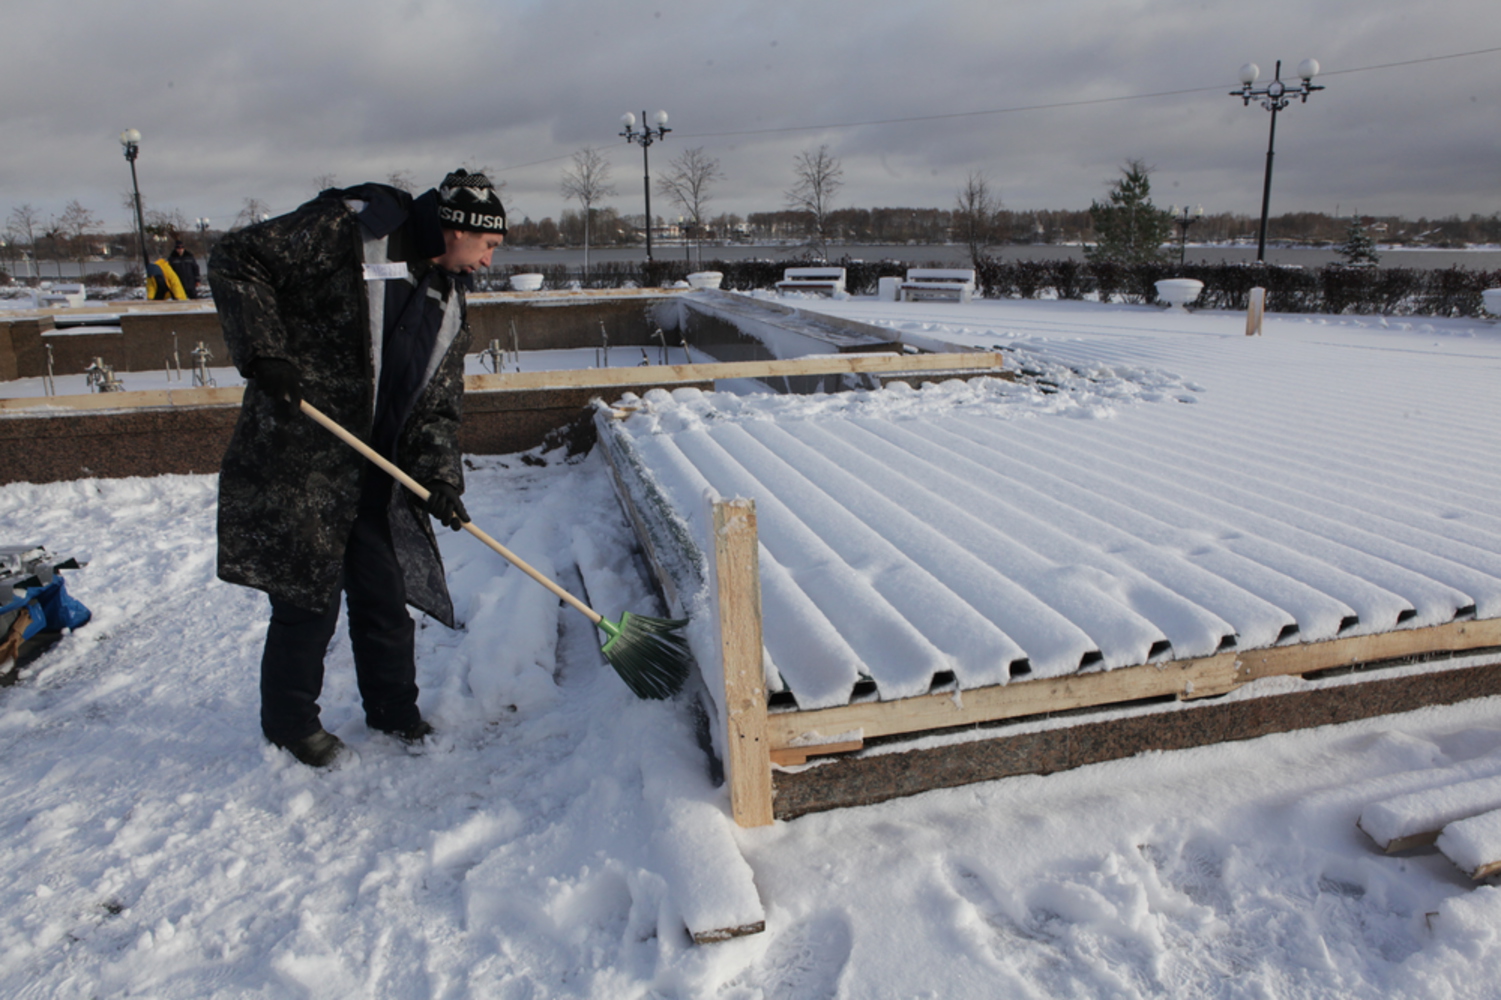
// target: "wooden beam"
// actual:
[[793, 756], [1006, 701], [1185, 679], [574, 378], [1091, 738], [738, 579], [671, 374], [1423, 838], [1309, 657], [129, 400]]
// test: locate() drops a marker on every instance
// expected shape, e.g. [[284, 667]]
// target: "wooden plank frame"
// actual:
[[1185, 679], [737, 577], [973, 362], [128, 400], [969, 362], [791, 738]]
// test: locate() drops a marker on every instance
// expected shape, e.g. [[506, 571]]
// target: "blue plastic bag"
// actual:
[[51, 607]]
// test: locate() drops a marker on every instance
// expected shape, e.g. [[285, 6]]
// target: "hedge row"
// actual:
[[1334, 288]]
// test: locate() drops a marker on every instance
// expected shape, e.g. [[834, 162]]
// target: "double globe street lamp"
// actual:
[[1274, 97], [644, 138]]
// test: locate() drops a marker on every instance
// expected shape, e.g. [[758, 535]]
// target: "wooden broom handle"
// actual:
[[423, 493]]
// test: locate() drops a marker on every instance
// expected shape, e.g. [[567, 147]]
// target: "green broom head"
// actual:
[[649, 654]]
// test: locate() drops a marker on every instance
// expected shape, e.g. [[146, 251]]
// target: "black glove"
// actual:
[[278, 380], [444, 504]]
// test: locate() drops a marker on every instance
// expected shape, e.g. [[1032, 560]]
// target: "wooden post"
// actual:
[[738, 578], [1254, 313]]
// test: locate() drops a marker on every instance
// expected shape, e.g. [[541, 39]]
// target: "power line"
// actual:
[[1062, 104], [951, 114], [534, 163], [1019, 108], [1413, 62]]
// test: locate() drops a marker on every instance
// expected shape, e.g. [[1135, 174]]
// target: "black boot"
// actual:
[[318, 750], [416, 733]]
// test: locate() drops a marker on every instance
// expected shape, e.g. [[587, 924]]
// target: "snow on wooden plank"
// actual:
[[1415, 819], [709, 372], [1474, 844]]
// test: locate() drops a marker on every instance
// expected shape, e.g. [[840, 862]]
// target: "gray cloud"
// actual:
[[244, 100]]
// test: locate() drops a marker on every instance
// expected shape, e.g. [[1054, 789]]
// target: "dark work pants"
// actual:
[[380, 630]]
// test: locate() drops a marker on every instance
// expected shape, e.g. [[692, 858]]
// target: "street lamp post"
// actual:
[[1184, 221], [644, 138], [1274, 97], [131, 140]]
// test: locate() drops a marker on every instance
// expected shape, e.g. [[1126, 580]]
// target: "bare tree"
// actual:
[[74, 226], [402, 180], [975, 213], [819, 177], [323, 182], [23, 225], [693, 173], [51, 243], [166, 223], [254, 211], [587, 183]]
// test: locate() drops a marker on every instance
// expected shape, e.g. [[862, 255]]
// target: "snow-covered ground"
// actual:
[[152, 845]]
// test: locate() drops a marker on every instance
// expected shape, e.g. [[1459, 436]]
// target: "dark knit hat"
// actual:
[[468, 201]]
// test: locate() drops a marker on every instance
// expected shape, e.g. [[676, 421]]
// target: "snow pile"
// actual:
[[1429, 810], [1474, 842]]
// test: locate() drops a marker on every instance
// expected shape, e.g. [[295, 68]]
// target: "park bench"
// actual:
[[824, 280], [62, 295], [937, 283]]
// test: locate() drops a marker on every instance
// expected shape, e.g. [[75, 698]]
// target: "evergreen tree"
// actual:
[[1359, 249], [1129, 228]]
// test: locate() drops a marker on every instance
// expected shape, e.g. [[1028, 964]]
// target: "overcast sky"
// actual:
[[258, 99]]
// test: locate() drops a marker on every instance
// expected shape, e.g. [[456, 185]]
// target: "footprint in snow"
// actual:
[[807, 961]]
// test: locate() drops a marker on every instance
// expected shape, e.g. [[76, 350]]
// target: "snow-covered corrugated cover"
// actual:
[[987, 530]]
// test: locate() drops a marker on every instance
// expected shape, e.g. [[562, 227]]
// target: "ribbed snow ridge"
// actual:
[[983, 531]]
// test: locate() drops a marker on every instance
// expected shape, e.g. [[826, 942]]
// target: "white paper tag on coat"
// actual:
[[386, 272]]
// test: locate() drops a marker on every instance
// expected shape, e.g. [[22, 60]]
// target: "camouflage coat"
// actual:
[[296, 288]]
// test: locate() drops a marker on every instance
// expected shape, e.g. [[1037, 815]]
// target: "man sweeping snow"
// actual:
[[356, 300]]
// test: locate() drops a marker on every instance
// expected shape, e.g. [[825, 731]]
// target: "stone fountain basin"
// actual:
[[1179, 292]]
